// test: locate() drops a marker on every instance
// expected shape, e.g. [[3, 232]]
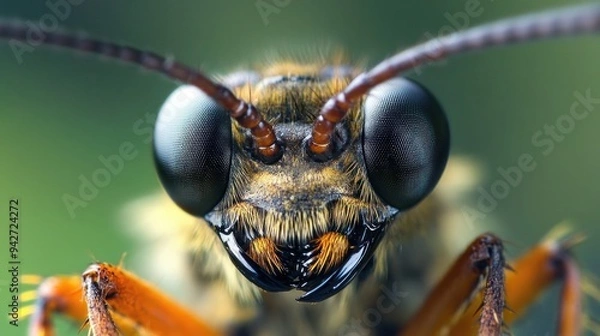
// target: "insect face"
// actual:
[[305, 174], [301, 222]]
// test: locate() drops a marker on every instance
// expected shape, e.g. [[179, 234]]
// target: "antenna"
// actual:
[[246, 115], [562, 22]]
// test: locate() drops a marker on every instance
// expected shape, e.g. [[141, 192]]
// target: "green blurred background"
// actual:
[[60, 111]]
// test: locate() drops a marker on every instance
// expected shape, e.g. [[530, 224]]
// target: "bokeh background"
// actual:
[[60, 111]]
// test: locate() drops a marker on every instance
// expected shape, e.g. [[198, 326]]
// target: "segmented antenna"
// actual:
[[563, 22], [244, 113]]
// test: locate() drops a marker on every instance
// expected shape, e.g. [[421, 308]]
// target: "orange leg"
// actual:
[[57, 294], [457, 307], [457, 286], [113, 302], [570, 318], [532, 274], [129, 296], [64, 295]]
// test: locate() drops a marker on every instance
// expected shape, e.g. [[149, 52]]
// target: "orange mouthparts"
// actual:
[[321, 268]]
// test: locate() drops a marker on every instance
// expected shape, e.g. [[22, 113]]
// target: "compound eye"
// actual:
[[405, 142], [192, 150]]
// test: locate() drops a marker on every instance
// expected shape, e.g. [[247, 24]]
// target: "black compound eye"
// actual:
[[406, 141], [192, 149]]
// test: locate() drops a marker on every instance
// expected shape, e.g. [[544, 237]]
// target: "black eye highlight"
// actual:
[[406, 141], [192, 150]]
